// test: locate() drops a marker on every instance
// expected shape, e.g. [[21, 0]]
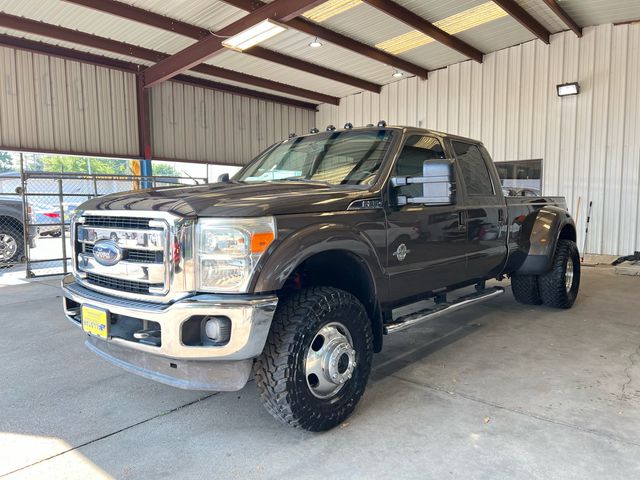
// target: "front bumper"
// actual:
[[216, 368]]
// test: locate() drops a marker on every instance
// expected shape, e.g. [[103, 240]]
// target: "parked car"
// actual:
[[295, 268], [49, 220], [12, 230]]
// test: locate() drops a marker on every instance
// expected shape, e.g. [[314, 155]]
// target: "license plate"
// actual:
[[95, 321]]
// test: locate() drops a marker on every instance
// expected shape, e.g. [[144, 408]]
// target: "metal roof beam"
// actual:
[[409, 18], [101, 61], [81, 38], [315, 30], [279, 10], [525, 19], [564, 16], [146, 17]]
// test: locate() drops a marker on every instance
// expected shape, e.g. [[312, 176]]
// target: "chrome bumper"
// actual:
[[218, 368]]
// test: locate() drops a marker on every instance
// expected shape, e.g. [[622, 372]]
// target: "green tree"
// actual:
[[165, 170], [6, 162], [73, 164]]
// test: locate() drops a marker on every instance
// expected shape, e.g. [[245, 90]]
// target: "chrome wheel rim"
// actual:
[[8, 246], [568, 276], [330, 361]]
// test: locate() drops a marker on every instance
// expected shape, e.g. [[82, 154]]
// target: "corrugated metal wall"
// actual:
[[198, 124], [51, 104], [54, 105], [589, 143]]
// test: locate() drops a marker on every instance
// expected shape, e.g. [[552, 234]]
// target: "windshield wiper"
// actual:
[[304, 180]]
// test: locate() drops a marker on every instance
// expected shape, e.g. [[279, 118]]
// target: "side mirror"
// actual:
[[437, 184], [223, 178]]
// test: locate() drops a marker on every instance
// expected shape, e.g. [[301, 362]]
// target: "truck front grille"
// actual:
[[139, 247]]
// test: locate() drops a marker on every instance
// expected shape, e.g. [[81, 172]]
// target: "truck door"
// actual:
[[425, 243], [485, 210]]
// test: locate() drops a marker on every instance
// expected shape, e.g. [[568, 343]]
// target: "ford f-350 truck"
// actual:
[[293, 268]]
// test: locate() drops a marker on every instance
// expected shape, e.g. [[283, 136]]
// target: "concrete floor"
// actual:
[[497, 391]]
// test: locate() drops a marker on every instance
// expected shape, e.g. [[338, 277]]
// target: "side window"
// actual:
[[416, 150], [474, 169]]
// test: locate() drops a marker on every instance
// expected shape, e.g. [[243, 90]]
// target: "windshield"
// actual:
[[336, 158]]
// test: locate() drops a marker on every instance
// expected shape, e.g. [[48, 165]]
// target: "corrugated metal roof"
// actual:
[[363, 23], [598, 12]]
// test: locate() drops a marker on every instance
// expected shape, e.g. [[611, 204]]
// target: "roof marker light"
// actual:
[[382, 124], [330, 128], [348, 126], [314, 130]]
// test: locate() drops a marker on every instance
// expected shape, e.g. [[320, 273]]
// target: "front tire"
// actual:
[[559, 286], [317, 359], [11, 245]]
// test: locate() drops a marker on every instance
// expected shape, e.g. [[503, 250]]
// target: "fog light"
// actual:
[[217, 329]]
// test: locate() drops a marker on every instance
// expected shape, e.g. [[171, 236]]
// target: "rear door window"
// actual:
[[474, 169]]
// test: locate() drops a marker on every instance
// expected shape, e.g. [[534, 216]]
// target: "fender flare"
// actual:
[[542, 231], [312, 240]]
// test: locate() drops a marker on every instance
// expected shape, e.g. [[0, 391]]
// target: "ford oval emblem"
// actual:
[[107, 252]]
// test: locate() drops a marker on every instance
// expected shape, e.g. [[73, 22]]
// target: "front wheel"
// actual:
[[11, 245], [559, 286], [317, 359]]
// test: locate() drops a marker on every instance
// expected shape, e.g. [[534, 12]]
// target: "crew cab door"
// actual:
[[425, 243], [485, 210]]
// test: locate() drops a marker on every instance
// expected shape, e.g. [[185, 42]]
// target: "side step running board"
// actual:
[[441, 309]]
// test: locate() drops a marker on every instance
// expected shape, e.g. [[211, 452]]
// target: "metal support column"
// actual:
[[144, 132]]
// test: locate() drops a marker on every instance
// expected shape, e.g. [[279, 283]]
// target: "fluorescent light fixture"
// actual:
[[254, 35], [456, 23], [329, 9], [316, 43], [568, 89]]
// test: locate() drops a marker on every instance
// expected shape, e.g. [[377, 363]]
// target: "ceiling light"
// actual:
[[568, 89], [254, 35], [316, 43], [453, 24], [329, 9], [397, 74]]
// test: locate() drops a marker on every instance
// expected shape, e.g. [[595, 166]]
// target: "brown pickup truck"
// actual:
[[293, 268]]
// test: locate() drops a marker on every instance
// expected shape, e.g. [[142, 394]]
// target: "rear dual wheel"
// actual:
[[317, 359], [558, 287]]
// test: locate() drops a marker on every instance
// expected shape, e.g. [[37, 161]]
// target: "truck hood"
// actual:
[[233, 199]]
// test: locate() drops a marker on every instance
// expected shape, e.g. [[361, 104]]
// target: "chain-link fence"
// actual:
[[35, 211]]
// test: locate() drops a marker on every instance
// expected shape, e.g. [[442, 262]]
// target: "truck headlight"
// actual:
[[229, 250]]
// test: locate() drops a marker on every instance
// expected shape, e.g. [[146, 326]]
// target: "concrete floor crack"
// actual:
[[141, 422], [632, 363]]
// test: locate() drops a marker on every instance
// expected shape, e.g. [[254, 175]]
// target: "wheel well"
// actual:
[[11, 222], [346, 271], [568, 232]]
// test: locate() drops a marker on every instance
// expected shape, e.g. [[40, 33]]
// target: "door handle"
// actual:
[[462, 225]]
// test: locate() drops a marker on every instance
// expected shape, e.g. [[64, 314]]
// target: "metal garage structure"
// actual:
[[150, 79]]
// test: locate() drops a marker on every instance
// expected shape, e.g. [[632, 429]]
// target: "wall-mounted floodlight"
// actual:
[[253, 35], [568, 89]]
